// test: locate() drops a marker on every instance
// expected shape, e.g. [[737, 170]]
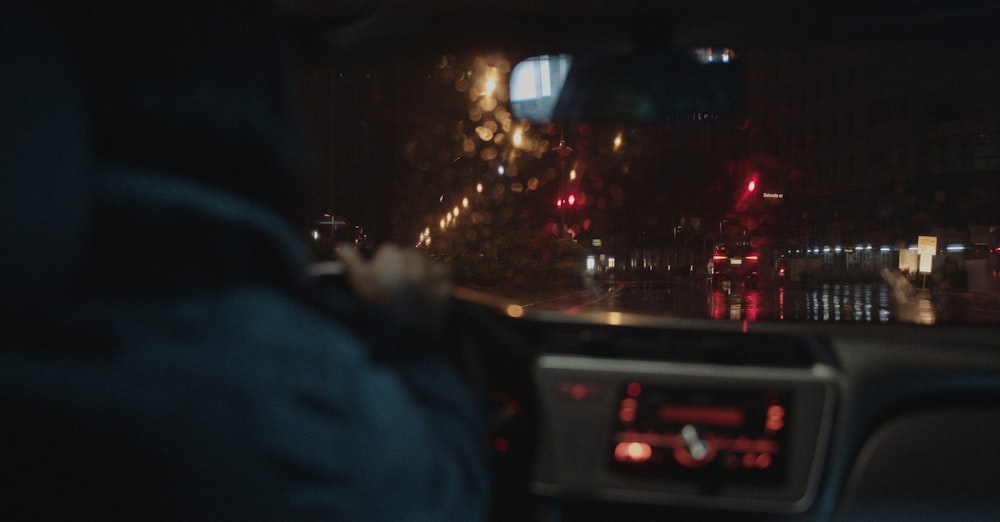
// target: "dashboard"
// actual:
[[649, 418]]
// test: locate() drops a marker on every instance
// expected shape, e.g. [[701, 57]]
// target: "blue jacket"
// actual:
[[196, 374]]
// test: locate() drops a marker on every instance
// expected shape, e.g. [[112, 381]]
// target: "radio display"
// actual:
[[709, 436]]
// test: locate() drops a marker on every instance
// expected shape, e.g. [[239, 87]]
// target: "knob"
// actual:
[[696, 449]]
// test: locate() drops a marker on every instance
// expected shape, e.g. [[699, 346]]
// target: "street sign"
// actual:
[[907, 260], [926, 249], [927, 245]]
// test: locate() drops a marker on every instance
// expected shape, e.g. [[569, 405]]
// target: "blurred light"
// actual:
[[572, 175], [315, 234], [488, 104], [465, 202], [633, 452], [615, 318], [611, 262], [633, 389], [518, 138], [955, 248], [484, 133], [490, 86], [571, 199], [763, 461], [443, 224], [455, 211], [885, 249], [479, 188], [618, 141], [515, 310], [500, 170], [707, 55], [591, 262], [751, 185]]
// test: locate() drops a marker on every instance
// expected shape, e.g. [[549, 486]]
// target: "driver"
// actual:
[[198, 373]]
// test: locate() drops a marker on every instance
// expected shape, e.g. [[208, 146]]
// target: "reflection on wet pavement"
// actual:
[[848, 302]]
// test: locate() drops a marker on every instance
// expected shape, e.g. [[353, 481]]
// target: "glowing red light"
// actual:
[[501, 444], [751, 257], [633, 389], [571, 200], [578, 392], [718, 258], [752, 186], [763, 461], [627, 412], [559, 202], [775, 418], [704, 415], [633, 452]]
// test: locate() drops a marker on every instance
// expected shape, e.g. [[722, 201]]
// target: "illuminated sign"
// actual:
[[773, 195], [926, 249]]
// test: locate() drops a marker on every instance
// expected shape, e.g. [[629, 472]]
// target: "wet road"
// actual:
[[866, 303]]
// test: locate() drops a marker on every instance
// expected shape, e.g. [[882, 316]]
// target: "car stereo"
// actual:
[[671, 433], [704, 435]]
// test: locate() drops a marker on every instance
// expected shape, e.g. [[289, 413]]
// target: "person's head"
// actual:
[[202, 90]]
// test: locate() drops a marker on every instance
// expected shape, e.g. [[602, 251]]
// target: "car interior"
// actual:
[[591, 415]]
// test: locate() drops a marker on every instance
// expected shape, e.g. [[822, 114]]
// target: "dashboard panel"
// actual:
[[670, 433], [650, 418]]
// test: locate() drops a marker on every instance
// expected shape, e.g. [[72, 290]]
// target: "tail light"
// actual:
[[718, 258], [751, 257]]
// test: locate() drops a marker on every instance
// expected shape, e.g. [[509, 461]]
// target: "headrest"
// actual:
[[44, 196]]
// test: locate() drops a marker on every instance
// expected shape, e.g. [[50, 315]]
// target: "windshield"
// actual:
[[857, 182]]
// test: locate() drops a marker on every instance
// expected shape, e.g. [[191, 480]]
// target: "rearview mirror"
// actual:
[[703, 83]]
